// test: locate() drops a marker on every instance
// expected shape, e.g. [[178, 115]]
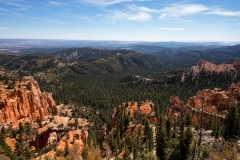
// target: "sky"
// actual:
[[122, 20]]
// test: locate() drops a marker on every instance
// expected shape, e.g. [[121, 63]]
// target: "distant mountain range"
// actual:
[[112, 60], [82, 60], [187, 57], [45, 43], [132, 54], [150, 49], [29, 62]]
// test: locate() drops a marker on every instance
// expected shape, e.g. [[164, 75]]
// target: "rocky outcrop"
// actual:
[[52, 139], [204, 65], [214, 103], [61, 127], [135, 108], [132, 129], [236, 65], [74, 138], [174, 108], [25, 102]]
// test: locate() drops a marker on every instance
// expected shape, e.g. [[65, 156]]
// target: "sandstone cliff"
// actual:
[[213, 102], [24, 102], [204, 65]]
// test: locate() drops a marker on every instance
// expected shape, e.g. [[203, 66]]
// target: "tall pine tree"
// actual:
[[161, 139], [185, 141], [231, 122]]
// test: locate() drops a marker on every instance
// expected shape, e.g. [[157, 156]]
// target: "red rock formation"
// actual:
[[25, 102], [236, 65], [132, 108], [174, 107], [75, 137], [203, 65], [11, 143], [132, 129], [74, 141], [215, 102]]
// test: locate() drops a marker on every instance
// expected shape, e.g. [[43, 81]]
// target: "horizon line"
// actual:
[[97, 40]]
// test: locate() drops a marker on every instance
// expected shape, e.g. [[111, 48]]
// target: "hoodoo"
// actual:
[[24, 102]]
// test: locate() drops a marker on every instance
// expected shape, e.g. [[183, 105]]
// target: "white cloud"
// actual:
[[3, 28], [16, 3], [108, 2], [57, 3], [179, 10], [173, 29], [139, 16], [163, 16], [133, 13], [221, 12], [134, 7], [48, 20]]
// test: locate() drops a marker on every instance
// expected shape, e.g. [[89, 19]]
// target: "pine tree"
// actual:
[[209, 124], [3, 130], [28, 128], [126, 153], [185, 141], [21, 129], [18, 148], [39, 122], [150, 140], [91, 152], [188, 119], [230, 122], [161, 139], [168, 128], [217, 131], [76, 123], [201, 126], [148, 133], [4, 148], [174, 128]]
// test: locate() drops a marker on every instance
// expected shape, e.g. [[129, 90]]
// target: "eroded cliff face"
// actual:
[[204, 65], [213, 102], [25, 102]]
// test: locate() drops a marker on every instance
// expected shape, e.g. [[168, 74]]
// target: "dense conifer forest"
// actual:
[[96, 91]]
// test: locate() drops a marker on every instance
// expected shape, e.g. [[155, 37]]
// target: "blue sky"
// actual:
[[130, 20]]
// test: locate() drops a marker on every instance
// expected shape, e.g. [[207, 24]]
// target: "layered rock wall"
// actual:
[[205, 66], [214, 103], [25, 102]]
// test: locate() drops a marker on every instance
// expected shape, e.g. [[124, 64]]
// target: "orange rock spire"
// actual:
[[25, 102]]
